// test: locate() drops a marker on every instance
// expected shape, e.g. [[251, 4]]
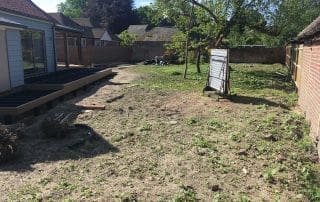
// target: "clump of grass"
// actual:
[[146, 127], [186, 193], [192, 121], [201, 142], [27, 192], [310, 181], [270, 173]]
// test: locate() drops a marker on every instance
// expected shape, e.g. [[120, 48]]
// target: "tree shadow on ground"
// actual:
[[79, 141], [256, 101]]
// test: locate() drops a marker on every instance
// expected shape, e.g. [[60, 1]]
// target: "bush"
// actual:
[[8, 144]]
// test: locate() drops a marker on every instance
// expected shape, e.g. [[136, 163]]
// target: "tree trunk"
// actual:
[[198, 60], [186, 57]]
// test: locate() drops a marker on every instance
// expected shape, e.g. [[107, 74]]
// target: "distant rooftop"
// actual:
[[25, 8], [138, 30], [65, 22]]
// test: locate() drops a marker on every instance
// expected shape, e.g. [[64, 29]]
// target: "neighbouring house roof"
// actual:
[[160, 34], [64, 22], [138, 30], [311, 30], [85, 22], [90, 31], [25, 8], [10, 23]]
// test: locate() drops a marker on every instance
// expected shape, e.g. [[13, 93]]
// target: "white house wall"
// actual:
[[15, 50], [15, 58]]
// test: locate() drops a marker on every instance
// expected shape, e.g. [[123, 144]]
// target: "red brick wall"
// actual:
[[309, 90], [257, 55]]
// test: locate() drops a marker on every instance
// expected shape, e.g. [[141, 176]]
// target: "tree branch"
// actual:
[[195, 2]]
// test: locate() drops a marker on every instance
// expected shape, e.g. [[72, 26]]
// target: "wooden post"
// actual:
[[80, 50], [66, 49]]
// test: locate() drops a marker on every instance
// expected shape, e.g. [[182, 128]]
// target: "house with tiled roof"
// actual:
[[26, 42], [95, 35], [303, 61]]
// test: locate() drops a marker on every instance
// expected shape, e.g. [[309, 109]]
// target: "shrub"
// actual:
[[8, 144]]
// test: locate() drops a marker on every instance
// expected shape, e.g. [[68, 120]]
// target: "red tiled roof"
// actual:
[[24, 7]]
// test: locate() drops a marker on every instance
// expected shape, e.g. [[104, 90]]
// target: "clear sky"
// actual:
[[51, 5]]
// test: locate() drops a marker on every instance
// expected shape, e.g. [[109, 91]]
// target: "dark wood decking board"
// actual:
[[35, 95]]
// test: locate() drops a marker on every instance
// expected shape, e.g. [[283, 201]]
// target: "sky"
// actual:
[[51, 5]]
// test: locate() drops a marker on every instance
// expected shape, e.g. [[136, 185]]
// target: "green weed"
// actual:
[[146, 127], [186, 194]]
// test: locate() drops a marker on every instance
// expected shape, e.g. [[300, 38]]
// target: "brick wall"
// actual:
[[309, 90], [257, 55]]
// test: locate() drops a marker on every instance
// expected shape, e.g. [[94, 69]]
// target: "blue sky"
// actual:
[[51, 5]]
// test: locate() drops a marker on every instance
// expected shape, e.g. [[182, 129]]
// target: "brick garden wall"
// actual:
[[309, 90], [257, 55]]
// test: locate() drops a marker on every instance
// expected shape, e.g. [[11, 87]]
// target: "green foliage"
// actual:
[[287, 17], [201, 142], [114, 14], [149, 15], [73, 8], [146, 127], [270, 174], [186, 194], [127, 39], [310, 178]]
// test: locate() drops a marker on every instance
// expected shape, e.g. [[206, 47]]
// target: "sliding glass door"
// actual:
[[33, 52]]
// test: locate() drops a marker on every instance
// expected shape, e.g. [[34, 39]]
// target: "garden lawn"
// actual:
[[172, 143]]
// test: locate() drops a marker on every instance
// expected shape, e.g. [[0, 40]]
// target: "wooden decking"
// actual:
[[35, 94]]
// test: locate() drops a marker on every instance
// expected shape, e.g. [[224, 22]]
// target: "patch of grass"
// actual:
[[217, 125], [146, 127], [192, 121], [171, 78], [244, 198], [45, 181], [250, 80], [186, 194], [27, 192], [310, 181], [122, 136], [201, 142], [221, 197], [66, 187], [270, 173]]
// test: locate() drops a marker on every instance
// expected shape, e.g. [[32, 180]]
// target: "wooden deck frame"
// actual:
[[61, 90]]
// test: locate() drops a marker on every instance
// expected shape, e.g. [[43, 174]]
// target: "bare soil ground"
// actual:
[[158, 145]]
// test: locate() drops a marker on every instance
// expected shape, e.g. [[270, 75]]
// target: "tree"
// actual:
[[150, 15], [288, 17], [127, 39], [292, 16], [113, 14], [73, 8]]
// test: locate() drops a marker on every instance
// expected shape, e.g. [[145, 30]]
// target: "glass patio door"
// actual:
[[33, 52]]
